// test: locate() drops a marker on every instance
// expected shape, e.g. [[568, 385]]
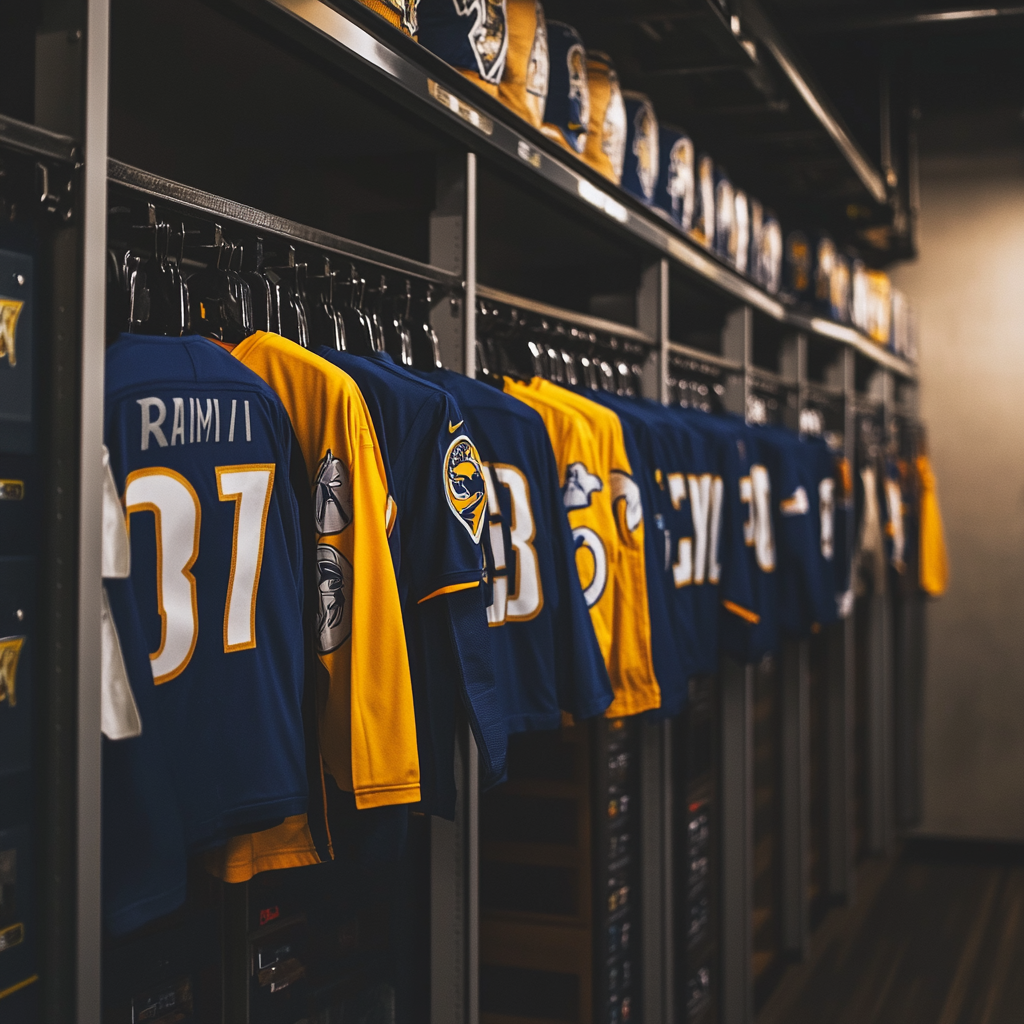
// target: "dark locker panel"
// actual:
[[170, 970], [766, 925], [559, 897], [817, 866], [696, 845], [19, 552]]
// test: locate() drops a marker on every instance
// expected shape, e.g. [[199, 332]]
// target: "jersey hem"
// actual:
[[384, 796], [298, 858], [229, 826], [135, 915]]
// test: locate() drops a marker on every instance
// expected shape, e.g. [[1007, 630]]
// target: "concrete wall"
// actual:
[[968, 284]]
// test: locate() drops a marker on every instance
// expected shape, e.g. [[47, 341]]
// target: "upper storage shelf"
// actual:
[[408, 110]]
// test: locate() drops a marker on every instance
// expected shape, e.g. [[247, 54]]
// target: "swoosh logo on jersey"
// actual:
[[452, 427]]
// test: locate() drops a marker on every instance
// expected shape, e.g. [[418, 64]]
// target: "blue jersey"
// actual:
[[698, 518], [672, 639], [748, 615], [546, 656], [803, 488], [144, 852], [435, 477], [201, 450]]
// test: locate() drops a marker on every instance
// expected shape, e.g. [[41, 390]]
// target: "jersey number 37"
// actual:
[[178, 515]]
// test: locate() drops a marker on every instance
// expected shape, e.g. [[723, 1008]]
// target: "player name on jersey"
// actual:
[[194, 420]]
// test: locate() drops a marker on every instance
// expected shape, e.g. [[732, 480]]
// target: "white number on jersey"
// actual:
[[176, 510], [826, 511], [526, 598], [756, 491], [697, 557]]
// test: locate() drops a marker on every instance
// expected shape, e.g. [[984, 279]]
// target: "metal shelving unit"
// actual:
[[467, 135]]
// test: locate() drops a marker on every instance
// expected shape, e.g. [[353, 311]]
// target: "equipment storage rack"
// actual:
[[314, 125]]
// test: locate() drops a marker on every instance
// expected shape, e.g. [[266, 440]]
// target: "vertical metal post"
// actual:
[[796, 739], [652, 319], [880, 702], [796, 797], [655, 739], [454, 846], [737, 818], [451, 230], [841, 702], [653, 870], [738, 344], [94, 209]]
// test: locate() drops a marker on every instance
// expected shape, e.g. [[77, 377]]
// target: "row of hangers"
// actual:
[[170, 280], [521, 344], [695, 385]]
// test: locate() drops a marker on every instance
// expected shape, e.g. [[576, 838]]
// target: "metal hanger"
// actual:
[[288, 312], [326, 324], [219, 298]]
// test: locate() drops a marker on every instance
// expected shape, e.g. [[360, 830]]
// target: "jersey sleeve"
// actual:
[[378, 721], [367, 721], [442, 534]]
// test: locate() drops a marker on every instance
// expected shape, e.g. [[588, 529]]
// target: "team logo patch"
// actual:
[[10, 653], [334, 590], [580, 483], [464, 485], [332, 496], [10, 310], [488, 37]]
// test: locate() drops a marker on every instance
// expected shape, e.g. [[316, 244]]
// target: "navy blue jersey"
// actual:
[[802, 483], [431, 461], [201, 450], [672, 630], [748, 616], [144, 853], [546, 656], [698, 519], [471, 35]]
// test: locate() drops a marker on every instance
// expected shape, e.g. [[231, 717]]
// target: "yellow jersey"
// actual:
[[606, 515], [366, 721]]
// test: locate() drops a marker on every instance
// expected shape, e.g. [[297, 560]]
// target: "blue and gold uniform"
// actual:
[[546, 656], [439, 485], [605, 512], [202, 452]]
